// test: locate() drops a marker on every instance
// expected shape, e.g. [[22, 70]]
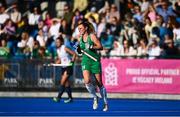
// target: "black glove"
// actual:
[[78, 49]]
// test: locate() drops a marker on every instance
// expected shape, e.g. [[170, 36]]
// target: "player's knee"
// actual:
[[87, 81], [99, 84]]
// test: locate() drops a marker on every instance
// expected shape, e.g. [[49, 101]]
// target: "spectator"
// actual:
[[54, 29], [80, 4], [177, 10], [154, 51], [33, 20], [48, 20], [26, 42], [164, 9], [92, 13], [107, 15], [131, 32], [107, 41], [64, 29], [101, 27], [3, 15], [176, 33], [142, 49], [15, 15], [143, 4], [44, 54], [34, 17], [9, 28], [42, 26], [41, 38], [138, 14], [4, 50], [77, 16], [151, 13], [127, 51], [170, 51], [116, 50], [68, 15], [114, 27], [114, 12], [148, 27], [34, 53], [92, 20], [104, 8], [76, 33]]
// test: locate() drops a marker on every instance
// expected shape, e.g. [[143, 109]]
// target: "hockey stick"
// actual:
[[93, 58], [75, 46], [60, 65]]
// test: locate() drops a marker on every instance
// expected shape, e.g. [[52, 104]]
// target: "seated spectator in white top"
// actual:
[[176, 33], [127, 51], [41, 38], [92, 20], [142, 49], [116, 50], [26, 41], [143, 4], [154, 51], [34, 17], [15, 15], [3, 15], [54, 29], [148, 27], [43, 27]]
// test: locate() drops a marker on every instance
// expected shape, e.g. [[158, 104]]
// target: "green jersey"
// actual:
[[91, 52], [87, 62]]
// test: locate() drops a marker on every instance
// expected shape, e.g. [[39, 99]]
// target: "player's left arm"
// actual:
[[57, 61], [97, 44]]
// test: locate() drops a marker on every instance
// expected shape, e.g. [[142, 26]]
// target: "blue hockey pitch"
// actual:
[[83, 107]]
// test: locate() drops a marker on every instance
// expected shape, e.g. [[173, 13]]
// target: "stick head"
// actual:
[[76, 46]]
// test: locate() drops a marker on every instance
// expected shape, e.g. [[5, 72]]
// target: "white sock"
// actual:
[[103, 94], [91, 90]]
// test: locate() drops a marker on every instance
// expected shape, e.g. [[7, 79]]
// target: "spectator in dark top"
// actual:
[[68, 15], [170, 51], [64, 29]]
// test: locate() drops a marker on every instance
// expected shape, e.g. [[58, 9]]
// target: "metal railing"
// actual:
[[32, 74]]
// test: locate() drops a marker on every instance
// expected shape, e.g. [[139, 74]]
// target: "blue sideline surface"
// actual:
[[83, 107]]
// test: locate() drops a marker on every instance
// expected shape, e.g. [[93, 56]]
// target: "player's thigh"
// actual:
[[64, 76], [67, 83], [96, 68]]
